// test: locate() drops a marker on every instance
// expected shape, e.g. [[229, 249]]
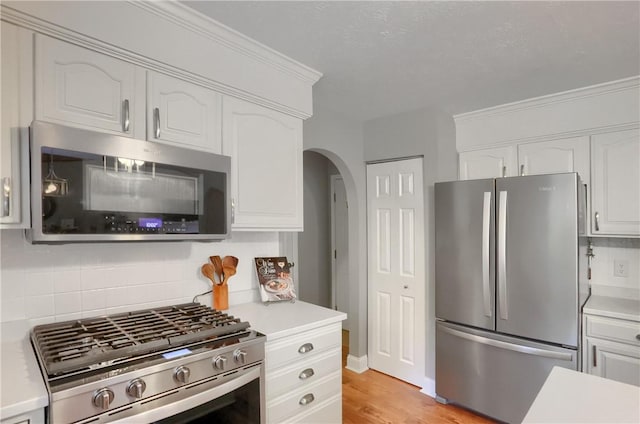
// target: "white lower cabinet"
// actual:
[[612, 348], [266, 166], [34, 417], [304, 377]]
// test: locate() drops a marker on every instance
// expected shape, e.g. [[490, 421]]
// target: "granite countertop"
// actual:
[[282, 319], [613, 307], [22, 385], [569, 396]]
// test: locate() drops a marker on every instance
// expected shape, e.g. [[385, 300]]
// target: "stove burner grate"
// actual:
[[74, 345]]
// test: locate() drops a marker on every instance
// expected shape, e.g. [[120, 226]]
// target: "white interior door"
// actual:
[[340, 248], [396, 300]]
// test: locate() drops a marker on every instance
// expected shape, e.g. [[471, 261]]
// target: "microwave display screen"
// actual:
[[150, 223]]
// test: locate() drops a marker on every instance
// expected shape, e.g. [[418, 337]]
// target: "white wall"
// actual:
[[314, 243], [430, 133], [45, 283], [607, 251], [340, 139]]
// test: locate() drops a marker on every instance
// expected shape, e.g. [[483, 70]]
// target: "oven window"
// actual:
[[242, 406], [84, 193]]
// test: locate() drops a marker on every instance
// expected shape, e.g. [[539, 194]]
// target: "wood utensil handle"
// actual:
[[220, 297]]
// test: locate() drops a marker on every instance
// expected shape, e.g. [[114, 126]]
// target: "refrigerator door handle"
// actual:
[[502, 256], [486, 228], [508, 346]]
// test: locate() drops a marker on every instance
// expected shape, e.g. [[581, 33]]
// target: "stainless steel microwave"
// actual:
[[91, 187]]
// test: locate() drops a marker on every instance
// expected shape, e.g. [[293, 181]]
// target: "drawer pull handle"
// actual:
[[307, 347], [306, 374], [307, 399]]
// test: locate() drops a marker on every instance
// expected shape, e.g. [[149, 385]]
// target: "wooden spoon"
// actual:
[[209, 272], [217, 266], [229, 265]]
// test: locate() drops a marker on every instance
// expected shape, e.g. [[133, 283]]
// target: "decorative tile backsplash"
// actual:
[[47, 283]]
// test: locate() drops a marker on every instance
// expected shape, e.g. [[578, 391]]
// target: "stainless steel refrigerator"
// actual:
[[510, 285]]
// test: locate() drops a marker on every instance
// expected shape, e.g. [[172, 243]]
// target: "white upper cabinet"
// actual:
[[615, 189], [556, 156], [16, 94], [487, 163], [79, 87], [266, 166], [183, 113]]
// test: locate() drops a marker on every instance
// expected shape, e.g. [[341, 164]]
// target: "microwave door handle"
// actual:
[[486, 257], [502, 255], [156, 122]]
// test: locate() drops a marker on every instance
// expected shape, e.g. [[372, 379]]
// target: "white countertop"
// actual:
[[569, 396], [282, 319], [613, 307], [22, 385]]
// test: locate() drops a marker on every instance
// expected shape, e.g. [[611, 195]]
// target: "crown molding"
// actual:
[[180, 14], [199, 23], [546, 100]]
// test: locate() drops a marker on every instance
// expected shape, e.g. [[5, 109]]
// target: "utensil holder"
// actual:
[[220, 297]]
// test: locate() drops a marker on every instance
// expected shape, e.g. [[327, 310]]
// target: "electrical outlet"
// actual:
[[620, 268]]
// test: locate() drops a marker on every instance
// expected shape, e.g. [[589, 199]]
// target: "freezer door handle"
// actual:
[[509, 346], [486, 228], [502, 256]]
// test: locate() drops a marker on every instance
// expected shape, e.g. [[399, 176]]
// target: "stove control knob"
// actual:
[[136, 388], [182, 374], [220, 362], [240, 356], [102, 398]]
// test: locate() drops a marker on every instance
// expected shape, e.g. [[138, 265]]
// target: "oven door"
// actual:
[[238, 400]]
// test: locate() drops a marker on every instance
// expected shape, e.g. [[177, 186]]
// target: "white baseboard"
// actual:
[[357, 364], [429, 387]]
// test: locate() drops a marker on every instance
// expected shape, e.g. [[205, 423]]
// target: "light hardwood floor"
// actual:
[[373, 397]]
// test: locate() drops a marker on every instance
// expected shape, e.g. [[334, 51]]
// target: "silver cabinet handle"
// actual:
[[306, 374], [502, 255], [125, 115], [307, 399], [6, 196], [522, 170], [307, 347], [233, 211], [597, 221], [504, 171], [486, 229], [156, 122], [595, 355]]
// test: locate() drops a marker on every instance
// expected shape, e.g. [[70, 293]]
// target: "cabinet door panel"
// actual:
[[487, 163], [266, 166], [614, 361], [556, 156], [78, 87], [16, 94], [183, 113], [616, 183]]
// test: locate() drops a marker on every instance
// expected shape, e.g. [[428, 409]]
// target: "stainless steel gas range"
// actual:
[[178, 364]]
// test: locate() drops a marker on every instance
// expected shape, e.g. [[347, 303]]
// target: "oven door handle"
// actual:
[[198, 398]]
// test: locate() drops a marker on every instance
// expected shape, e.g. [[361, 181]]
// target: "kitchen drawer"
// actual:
[[329, 412], [292, 377], [613, 329], [304, 345], [292, 404]]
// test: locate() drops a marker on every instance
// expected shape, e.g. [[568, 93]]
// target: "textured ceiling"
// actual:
[[382, 58]]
